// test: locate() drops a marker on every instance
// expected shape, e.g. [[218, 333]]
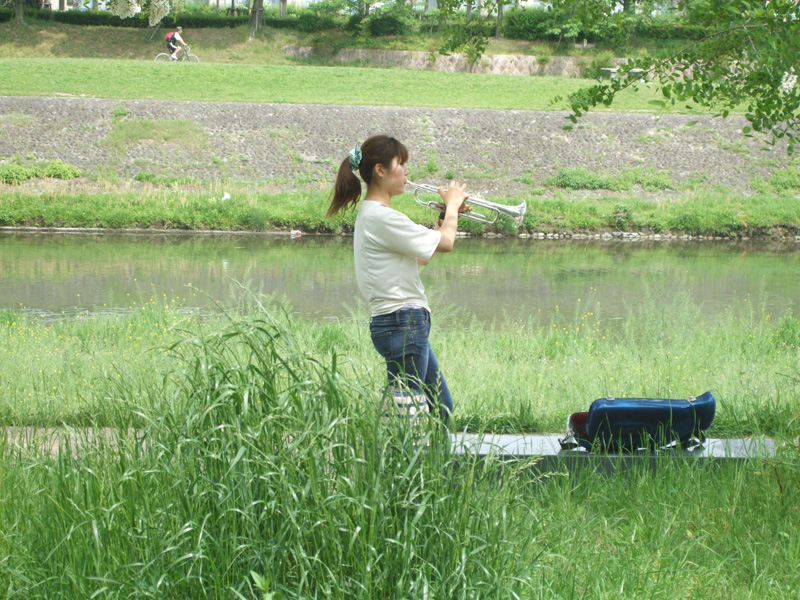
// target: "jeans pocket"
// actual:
[[382, 341]]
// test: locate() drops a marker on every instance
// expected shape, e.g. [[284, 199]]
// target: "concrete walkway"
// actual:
[[549, 455], [545, 449]]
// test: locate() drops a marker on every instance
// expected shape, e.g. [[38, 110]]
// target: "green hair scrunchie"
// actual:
[[355, 158]]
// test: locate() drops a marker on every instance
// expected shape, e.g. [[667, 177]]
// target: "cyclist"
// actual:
[[174, 38]]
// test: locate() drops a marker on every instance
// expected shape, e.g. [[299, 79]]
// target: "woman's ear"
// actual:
[[379, 171]]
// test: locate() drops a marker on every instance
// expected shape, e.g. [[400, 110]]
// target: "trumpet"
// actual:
[[515, 212]]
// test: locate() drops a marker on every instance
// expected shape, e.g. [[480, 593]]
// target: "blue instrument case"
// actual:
[[627, 424]]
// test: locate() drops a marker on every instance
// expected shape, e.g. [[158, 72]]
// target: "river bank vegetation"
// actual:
[[519, 376], [248, 460], [184, 205]]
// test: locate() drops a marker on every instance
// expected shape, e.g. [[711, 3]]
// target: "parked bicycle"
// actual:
[[184, 55]]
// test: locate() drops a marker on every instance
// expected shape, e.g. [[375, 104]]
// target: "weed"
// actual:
[[119, 113], [527, 178], [17, 119], [15, 172], [580, 178], [129, 132], [782, 181]]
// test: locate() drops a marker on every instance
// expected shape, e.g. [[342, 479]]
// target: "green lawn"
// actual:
[[126, 79]]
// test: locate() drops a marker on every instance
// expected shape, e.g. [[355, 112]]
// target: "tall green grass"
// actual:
[[261, 459], [264, 470], [515, 377]]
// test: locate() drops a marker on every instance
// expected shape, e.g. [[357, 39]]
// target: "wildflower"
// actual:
[[788, 81]]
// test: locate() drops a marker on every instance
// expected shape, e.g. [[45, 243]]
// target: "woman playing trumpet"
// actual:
[[388, 248]]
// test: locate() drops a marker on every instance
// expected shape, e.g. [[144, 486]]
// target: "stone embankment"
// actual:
[[279, 147], [494, 64]]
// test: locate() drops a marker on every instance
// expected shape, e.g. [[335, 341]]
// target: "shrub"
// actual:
[[189, 19], [526, 23], [15, 173], [57, 170], [672, 31], [311, 22], [354, 22], [308, 20], [617, 29], [390, 22], [534, 23]]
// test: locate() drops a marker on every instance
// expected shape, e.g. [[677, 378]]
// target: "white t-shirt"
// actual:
[[387, 245]]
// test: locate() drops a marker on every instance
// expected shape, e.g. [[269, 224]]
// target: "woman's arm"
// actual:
[[453, 196]]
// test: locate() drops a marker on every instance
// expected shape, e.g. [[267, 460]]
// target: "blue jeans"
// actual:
[[401, 338]]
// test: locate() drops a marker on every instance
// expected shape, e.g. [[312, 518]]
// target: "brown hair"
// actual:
[[377, 150]]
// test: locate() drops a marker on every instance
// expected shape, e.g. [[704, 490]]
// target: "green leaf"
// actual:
[[259, 581]]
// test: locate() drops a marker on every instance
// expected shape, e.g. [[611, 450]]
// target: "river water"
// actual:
[[59, 275]]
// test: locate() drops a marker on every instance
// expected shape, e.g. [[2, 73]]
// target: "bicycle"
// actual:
[[184, 55]]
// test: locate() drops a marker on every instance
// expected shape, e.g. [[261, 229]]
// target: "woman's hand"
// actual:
[[455, 194], [453, 197]]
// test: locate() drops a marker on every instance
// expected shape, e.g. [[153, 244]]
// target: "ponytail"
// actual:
[[346, 191], [377, 150]]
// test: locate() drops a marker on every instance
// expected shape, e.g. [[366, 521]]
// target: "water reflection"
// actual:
[[507, 279]]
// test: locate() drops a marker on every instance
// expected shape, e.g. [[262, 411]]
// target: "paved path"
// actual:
[[545, 448]]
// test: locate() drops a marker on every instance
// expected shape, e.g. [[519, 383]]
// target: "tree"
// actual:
[[256, 17], [19, 9], [747, 59], [155, 9], [571, 17], [471, 38]]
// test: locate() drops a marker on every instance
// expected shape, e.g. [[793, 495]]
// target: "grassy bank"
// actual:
[[53, 59], [265, 470], [45, 38], [104, 370], [363, 86], [551, 209]]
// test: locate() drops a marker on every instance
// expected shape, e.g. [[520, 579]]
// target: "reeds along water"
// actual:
[[267, 460], [259, 467]]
